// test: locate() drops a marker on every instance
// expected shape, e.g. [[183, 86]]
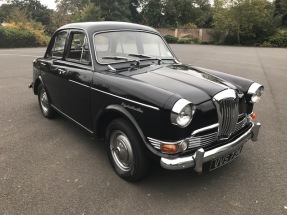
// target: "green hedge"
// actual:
[[279, 39], [170, 39], [15, 38]]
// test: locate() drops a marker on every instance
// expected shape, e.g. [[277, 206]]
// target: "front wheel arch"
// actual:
[[114, 112], [36, 85], [109, 114]]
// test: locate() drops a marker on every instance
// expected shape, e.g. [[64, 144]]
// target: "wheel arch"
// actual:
[[37, 82], [112, 112]]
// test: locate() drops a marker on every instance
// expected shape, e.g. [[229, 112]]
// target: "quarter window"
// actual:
[[79, 50], [59, 45]]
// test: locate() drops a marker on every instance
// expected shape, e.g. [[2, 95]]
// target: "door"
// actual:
[[68, 79], [77, 73]]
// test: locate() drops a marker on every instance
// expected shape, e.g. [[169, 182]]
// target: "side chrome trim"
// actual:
[[139, 103], [79, 83], [72, 119]]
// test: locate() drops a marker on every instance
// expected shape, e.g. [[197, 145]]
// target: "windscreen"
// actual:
[[114, 47]]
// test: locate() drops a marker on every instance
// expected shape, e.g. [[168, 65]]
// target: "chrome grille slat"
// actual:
[[201, 141]]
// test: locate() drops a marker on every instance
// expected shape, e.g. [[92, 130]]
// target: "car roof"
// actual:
[[93, 27]]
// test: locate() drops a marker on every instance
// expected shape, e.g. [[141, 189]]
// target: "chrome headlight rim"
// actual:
[[177, 108], [255, 91]]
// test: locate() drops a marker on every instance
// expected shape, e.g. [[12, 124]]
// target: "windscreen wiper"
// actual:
[[118, 58], [146, 57], [137, 62], [140, 55]]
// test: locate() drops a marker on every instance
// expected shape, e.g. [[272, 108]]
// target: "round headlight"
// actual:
[[182, 113], [255, 91]]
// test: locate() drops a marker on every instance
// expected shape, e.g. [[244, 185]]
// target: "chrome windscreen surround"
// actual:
[[226, 103]]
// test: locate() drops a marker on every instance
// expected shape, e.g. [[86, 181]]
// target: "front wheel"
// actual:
[[44, 102], [125, 150]]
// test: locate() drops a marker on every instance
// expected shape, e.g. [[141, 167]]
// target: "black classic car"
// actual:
[[122, 83]]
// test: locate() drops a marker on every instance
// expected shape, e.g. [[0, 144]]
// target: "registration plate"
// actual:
[[219, 162]]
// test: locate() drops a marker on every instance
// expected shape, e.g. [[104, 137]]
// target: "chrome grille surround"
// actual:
[[226, 103]]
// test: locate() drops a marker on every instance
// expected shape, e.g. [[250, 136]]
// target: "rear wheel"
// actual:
[[44, 102], [125, 150]]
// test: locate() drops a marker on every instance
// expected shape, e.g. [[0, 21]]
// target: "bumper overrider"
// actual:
[[200, 157]]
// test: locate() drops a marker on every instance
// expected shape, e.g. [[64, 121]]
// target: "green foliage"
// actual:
[[280, 11], [190, 26], [32, 8], [90, 12], [22, 31], [14, 38], [114, 10], [170, 39], [184, 41], [170, 13], [251, 20], [279, 39]]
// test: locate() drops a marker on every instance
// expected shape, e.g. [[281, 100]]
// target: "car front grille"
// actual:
[[226, 103], [201, 141], [228, 109]]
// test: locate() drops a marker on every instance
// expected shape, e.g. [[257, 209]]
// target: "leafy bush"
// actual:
[[14, 38], [230, 39], [279, 39], [170, 39], [190, 26], [184, 41], [28, 34]]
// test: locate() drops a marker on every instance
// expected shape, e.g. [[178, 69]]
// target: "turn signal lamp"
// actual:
[[169, 148], [174, 148], [253, 116]]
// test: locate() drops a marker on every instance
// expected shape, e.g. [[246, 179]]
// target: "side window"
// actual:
[[79, 50], [59, 45]]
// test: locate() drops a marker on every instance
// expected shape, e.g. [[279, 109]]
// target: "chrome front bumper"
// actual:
[[200, 156]]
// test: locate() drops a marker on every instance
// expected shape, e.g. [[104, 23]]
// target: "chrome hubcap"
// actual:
[[44, 102], [121, 150]]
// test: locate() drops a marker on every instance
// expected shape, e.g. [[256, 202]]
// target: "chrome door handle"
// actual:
[[62, 71]]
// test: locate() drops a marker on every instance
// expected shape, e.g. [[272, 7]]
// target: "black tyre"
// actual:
[[44, 102], [126, 150]]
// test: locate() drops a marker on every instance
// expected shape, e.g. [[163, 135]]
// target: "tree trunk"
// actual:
[[238, 35]]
